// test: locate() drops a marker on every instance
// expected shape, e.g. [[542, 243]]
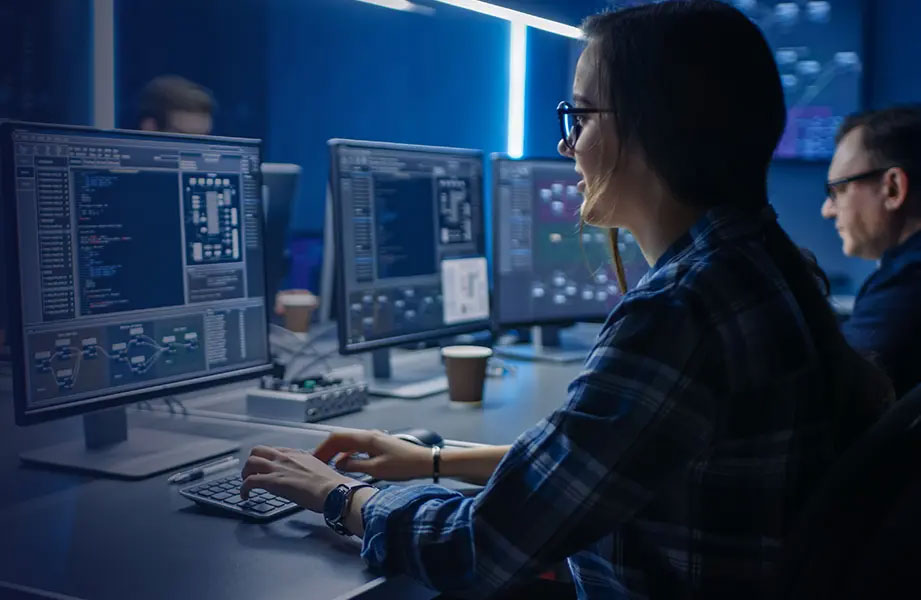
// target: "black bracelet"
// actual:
[[436, 463]]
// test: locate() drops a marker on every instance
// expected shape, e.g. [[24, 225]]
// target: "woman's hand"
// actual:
[[389, 458], [292, 474]]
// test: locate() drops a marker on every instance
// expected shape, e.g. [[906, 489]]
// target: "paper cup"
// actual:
[[298, 309], [466, 370]]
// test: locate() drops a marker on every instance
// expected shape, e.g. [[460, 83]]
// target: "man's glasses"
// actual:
[[571, 121], [836, 185]]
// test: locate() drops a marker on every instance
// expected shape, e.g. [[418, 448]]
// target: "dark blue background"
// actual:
[[296, 73]]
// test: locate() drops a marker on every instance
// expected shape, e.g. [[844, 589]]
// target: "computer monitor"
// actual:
[[279, 188], [137, 271], [410, 251], [547, 270]]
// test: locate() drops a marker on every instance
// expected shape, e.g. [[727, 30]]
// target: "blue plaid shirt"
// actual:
[[699, 423]]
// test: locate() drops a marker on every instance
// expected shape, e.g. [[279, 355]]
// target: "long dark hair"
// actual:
[[694, 87]]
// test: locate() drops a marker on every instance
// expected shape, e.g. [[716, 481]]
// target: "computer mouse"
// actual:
[[420, 437]]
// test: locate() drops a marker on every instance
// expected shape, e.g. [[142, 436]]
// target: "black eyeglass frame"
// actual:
[[830, 186], [565, 108]]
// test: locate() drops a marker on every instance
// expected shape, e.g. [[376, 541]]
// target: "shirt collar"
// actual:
[[716, 226], [912, 244]]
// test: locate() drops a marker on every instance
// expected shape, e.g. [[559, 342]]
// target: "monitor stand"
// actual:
[[415, 378], [107, 450], [545, 346]]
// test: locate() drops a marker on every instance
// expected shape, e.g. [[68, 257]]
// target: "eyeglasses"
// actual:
[[834, 186], [571, 121]]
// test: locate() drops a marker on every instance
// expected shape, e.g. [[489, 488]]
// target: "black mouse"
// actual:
[[421, 437]]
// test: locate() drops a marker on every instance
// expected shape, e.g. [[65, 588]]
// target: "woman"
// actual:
[[718, 392]]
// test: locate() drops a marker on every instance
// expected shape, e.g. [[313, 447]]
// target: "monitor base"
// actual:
[[145, 453], [551, 354], [408, 389], [547, 346], [414, 379]]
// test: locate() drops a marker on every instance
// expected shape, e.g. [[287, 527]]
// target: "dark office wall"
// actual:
[[218, 43], [893, 74], [549, 81], [354, 70], [45, 72]]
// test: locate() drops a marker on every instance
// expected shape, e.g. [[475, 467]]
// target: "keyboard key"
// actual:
[[263, 507], [236, 499], [277, 502], [206, 493], [222, 496]]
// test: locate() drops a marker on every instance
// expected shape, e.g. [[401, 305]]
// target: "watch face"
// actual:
[[335, 502]]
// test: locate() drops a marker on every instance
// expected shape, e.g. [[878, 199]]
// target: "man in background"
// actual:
[[874, 196], [175, 104]]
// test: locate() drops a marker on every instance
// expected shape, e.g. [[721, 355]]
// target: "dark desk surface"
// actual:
[[95, 538]]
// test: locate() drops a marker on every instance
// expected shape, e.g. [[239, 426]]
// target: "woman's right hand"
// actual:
[[389, 458]]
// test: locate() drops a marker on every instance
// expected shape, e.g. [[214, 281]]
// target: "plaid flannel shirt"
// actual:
[[696, 428]]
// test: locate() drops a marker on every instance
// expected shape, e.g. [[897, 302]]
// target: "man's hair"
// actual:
[[169, 93], [892, 138]]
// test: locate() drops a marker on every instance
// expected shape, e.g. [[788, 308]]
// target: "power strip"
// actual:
[[310, 400]]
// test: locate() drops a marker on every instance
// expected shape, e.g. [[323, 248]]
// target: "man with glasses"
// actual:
[[873, 194]]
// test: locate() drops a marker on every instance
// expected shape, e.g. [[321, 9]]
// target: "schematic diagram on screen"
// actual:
[[212, 218], [85, 359]]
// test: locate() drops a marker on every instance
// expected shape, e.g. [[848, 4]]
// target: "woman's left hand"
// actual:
[[292, 474]]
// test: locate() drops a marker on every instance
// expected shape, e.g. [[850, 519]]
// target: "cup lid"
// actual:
[[298, 299], [466, 352]]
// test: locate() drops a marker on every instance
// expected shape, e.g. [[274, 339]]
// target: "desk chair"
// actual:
[[860, 533]]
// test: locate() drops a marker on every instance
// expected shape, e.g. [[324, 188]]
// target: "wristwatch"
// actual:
[[336, 505]]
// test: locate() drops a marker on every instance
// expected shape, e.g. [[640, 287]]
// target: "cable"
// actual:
[[321, 357]]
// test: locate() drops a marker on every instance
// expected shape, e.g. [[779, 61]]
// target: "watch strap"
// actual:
[[436, 464], [337, 523]]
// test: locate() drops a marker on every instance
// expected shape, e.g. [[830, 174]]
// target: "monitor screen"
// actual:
[[139, 264], [410, 259], [545, 269]]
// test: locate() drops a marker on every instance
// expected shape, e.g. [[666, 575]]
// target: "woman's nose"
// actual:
[[563, 148]]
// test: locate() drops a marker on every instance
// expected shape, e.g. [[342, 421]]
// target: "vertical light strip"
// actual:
[[104, 64], [517, 75]]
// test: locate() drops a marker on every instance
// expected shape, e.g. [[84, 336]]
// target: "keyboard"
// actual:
[[224, 494]]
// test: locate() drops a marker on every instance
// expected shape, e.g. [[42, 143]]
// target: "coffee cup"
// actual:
[[466, 370], [297, 308]]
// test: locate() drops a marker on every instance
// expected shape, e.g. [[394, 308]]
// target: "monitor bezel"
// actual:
[[495, 160], [23, 414], [345, 347]]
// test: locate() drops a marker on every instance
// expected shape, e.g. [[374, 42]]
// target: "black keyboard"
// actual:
[[224, 493]]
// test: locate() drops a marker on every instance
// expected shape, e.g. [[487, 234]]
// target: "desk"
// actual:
[[511, 405], [95, 538]]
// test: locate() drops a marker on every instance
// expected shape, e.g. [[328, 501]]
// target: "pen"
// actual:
[[199, 472]]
